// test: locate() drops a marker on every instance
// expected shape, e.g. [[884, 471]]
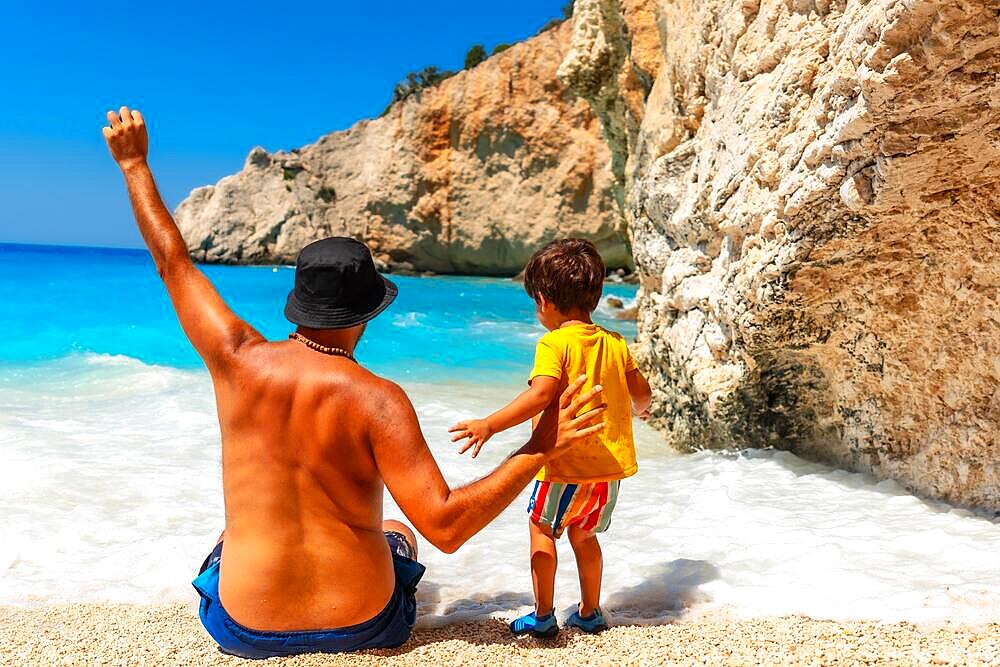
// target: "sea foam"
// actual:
[[110, 490]]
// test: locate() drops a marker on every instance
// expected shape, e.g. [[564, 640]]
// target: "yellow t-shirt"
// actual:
[[603, 356]]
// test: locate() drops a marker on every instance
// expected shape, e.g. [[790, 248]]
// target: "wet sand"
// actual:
[[92, 634]]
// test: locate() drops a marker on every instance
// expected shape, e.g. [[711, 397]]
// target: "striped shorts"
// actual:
[[559, 505]]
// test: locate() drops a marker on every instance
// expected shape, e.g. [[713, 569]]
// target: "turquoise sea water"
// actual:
[[58, 301]]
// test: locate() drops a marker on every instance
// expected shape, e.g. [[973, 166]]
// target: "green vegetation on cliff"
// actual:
[[475, 55]]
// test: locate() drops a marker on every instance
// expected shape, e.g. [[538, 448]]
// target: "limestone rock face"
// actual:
[[471, 176], [813, 204]]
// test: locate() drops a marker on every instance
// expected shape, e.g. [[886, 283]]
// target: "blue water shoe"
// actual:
[[592, 624], [542, 627]]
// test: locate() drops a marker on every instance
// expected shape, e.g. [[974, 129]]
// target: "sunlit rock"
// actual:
[[811, 194], [470, 176]]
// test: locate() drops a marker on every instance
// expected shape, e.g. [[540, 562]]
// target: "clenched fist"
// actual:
[[126, 136]]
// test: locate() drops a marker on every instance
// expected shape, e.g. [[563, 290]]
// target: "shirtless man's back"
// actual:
[[303, 490], [309, 439]]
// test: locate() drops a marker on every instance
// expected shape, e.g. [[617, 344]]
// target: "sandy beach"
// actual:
[[91, 634]]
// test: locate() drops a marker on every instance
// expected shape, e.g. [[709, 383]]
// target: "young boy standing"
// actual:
[[576, 492]]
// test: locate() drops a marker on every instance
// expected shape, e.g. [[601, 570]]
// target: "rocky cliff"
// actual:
[[470, 176], [811, 192]]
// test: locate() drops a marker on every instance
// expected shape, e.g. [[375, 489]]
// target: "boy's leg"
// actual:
[[543, 567], [590, 564]]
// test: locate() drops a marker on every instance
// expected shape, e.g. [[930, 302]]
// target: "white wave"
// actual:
[[508, 330], [99, 359], [407, 320], [110, 490]]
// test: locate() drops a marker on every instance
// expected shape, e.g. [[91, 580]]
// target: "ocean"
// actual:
[[110, 485]]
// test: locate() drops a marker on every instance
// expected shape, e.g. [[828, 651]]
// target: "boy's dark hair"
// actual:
[[569, 273]]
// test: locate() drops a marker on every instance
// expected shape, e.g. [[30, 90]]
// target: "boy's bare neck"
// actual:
[[573, 318]]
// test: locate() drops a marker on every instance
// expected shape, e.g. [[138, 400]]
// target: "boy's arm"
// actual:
[[642, 395], [213, 329], [529, 403]]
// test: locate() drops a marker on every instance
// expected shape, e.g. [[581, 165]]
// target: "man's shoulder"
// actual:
[[378, 392], [383, 405], [385, 387], [368, 398]]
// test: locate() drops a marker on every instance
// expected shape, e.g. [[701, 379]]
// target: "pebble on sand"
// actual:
[[95, 634]]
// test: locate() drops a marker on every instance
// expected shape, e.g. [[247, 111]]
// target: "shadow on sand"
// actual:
[[666, 593]]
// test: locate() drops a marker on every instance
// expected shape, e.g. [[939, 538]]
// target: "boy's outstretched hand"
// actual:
[[477, 431]]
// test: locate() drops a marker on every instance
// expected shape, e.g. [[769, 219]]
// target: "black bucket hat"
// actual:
[[337, 286]]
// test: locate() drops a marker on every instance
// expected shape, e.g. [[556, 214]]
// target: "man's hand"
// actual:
[[126, 137], [477, 431], [560, 428]]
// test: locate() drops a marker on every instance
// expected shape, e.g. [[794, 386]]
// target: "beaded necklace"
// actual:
[[313, 345]]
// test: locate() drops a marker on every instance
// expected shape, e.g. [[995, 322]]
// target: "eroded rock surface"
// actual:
[[812, 197], [471, 176]]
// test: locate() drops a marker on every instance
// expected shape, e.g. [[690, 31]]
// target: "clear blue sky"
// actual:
[[213, 79]]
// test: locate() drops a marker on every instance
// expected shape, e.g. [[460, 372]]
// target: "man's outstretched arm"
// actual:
[[448, 517], [213, 329]]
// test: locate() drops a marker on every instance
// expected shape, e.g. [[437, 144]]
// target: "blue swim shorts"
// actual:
[[390, 628]]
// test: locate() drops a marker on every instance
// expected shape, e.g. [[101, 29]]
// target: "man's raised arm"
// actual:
[[210, 325], [448, 517]]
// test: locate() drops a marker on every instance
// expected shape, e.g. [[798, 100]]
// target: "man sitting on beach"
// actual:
[[309, 438]]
